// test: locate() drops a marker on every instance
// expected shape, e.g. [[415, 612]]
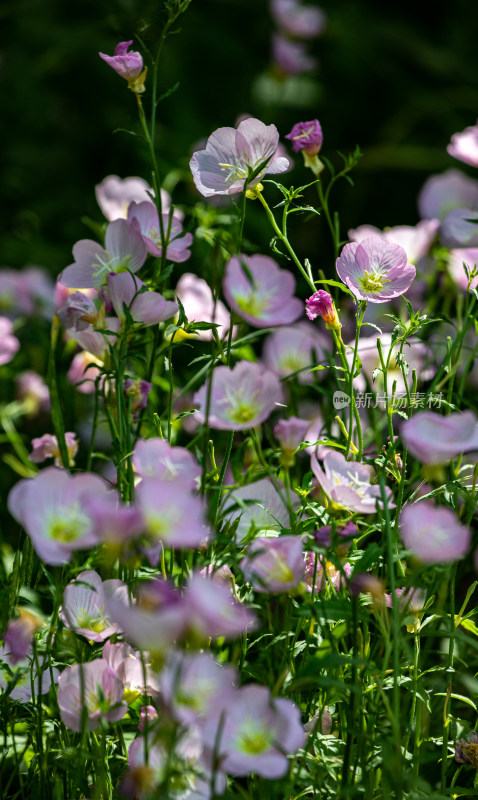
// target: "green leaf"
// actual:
[[338, 285]]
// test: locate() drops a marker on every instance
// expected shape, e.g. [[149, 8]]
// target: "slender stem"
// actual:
[[285, 240]]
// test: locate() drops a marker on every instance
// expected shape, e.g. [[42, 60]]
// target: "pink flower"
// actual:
[[306, 22], [83, 372], [290, 57], [211, 611], [199, 306], [435, 439], [259, 508], [33, 392], [322, 305], [416, 354], [138, 392], [114, 522], [441, 193], [83, 609], [193, 685], [46, 446], [347, 484], [290, 433], [234, 158], [415, 240], [103, 692], [24, 672], [260, 292], [125, 250], [171, 518], [155, 458], [144, 306], [9, 343], [143, 217], [456, 258], [433, 533], [274, 565], [460, 228], [115, 194], [51, 508], [127, 65], [255, 733], [293, 351], [128, 665], [306, 136], [374, 270], [19, 635], [241, 398], [464, 146], [320, 573]]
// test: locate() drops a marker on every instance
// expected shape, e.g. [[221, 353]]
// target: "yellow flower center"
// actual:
[[373, 282]]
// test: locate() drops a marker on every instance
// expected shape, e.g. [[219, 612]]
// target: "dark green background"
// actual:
[[398, 79]]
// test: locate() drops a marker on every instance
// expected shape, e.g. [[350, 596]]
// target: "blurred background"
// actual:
[[397, 79]]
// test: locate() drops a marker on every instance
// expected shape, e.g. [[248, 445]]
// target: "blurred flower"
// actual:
[[295, 350], [115, 194], [415, 353], [320, 573], [83, 609], [321, 722], [78, 312], [46, 446], [416, 240], [436, 439], [260, 509], [306, 22], [24, 673], [125, 250], [347, 484], [128, 665], [460, 228], [144, 218], [138, 392], [260, 292], [345, 532], [290, 433], [193, 685], [147, 713], [236, 157], [464, 146], [374, 270], [155, 458], [102, 692], [433, 533], [364, 583], [171, 517], [83, 372], [291, 58], [255, 733], [441, 193], [466, 750], [322, 305], [211, 611], [274, 565], [19, 635], [51, 508], [456, 259], [199, 306], [241, 398], [33, 392], [144, 306], [113, 521], [9, 343], [306, 136]]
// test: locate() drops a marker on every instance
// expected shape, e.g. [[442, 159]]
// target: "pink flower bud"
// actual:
[[322, 305]]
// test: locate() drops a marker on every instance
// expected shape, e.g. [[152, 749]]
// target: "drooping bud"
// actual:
[[322, 305]]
